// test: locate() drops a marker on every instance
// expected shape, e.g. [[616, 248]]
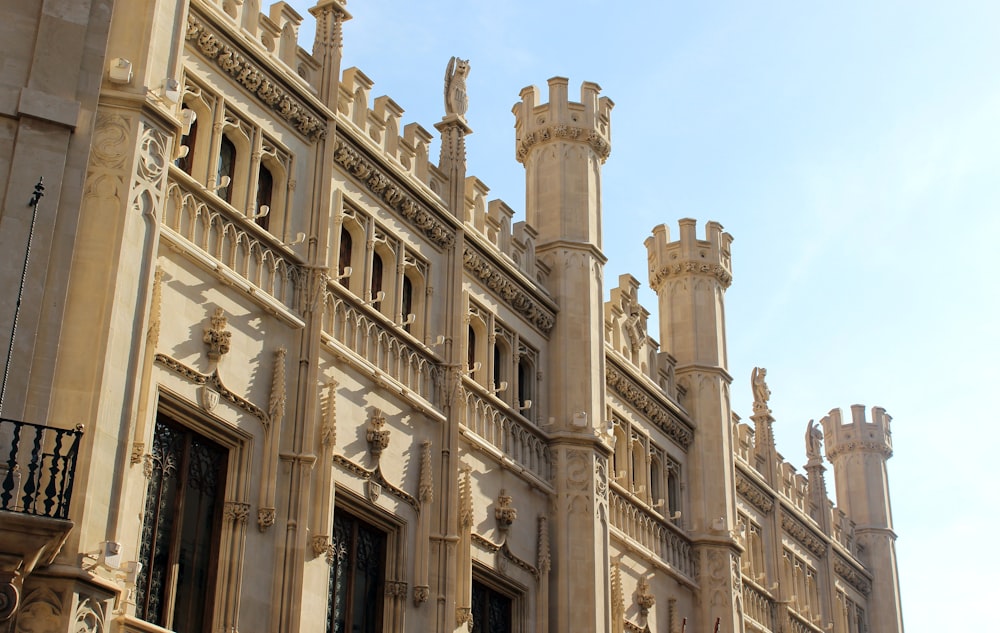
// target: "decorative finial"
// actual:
[[39, 192], [456, 100], [216, 336]]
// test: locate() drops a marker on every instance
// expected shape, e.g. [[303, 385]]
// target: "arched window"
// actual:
[[406, 305], [497, 365], [265, 183], [655, 480], [186, 162], [524, 381], [227, 166], [673, 490], [344, 259], [376, 286], [472, 348]]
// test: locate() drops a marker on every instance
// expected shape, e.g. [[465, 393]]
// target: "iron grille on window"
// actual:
[[491, 610], [358, 576], [180, 528]]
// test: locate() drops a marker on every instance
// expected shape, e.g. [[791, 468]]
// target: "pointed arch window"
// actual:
[[227, 167], [344, 258], [357, 579], [406, 304], [186, 162], [376, 286], [265, 185], [472, 348]]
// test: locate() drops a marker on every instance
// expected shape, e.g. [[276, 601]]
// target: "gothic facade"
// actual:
[[277, 369]]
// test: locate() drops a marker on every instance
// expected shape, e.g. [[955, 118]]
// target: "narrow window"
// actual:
[[344, 259], [497, 366], [655, 481], [357, 579], [674, 490], [180, 529], [407, 302], [472, 349], [376, 280], [491, 610], [227, 165], [265, 183], [524, 375], [186, 162]]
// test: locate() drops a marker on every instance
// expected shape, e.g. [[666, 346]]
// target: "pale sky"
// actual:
[[852, 148]]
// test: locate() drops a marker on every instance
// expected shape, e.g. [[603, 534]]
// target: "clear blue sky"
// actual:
[[853, 150]]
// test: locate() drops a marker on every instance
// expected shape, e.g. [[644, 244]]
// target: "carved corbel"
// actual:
[[377, 435], [216, 336], [505, 513]]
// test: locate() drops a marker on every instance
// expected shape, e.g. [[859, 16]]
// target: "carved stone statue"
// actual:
[[813, 437], [456, 100], [761, 394]]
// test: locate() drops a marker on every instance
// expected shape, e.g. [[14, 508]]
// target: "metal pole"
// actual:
[[33, 203]]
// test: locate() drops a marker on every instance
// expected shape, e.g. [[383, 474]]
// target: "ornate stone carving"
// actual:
[[386, 189], [511, 292], [420, 594], [375, 474], [617, 599], [374, 490], [138, 448], [111, 134], [814, 436], [236, 511], [643, 400], [40, 610], [597, 143], [718, 577], [265, 518], [89, 617], [658, 277], [377, 435], [643, 598], [216, 336], [753, 493], [761, 394], [252, 76], [504, 554], [426, 490], [328, 432], [797, 530], [148, 180], [463, 615], [544, 552], [505, 513], [456, 99], [320, 544], [853, 576], [396, 589], [209, 398], [465, 516], [213, 379]]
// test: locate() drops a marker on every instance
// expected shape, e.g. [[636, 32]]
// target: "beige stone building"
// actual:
[[324, 384]]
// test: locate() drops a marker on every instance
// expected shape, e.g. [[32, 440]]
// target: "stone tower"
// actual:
[[562, 146], [690, 277], [858, 451]]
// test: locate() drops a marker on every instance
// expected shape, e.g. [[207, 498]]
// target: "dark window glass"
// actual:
[[265, 183], [180, 529], [227, 165], [187, 162], [523, 381], [472, 348], [491, 610], [673, 490], [497, 366], [376, 280], [357, 578], [344, 260], [407, 303]]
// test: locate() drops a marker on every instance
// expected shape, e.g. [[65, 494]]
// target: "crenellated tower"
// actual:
[[858, 451], [690, 277], [562, 145]]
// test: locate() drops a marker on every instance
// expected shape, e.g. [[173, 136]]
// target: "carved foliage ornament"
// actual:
[[216, 336], [718, 271], [753, 493], [640, 398], [253, 77], [597, 143], [385, 189], [510, 291]]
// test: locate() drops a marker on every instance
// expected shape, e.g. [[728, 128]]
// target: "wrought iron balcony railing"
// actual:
[[37, 466]]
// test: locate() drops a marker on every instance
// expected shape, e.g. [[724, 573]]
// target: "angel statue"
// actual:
[[761, 394], [813, 437], [456, 100]]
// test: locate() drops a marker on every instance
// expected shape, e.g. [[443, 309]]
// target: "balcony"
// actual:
[[37, 466]]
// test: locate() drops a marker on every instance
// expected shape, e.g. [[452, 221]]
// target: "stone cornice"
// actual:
[[384, 187], [753, 493], [852, 575], [253, 76], [213, 380], [645, 401], [375, 476], [717, 271], [833, 451], [798, 530], [504, 550], [508, 289], [597, 143]]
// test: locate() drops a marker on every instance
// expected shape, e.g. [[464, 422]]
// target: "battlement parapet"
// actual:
[[626, 334], [858, 435], [710, 256], [587, 121]]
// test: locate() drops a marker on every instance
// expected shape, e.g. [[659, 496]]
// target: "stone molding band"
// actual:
[[852, 575], [254, 78], [753, 493], [640, 398], [509, 290], [383, 187], [797, 530], [658, 277], [597, 143]]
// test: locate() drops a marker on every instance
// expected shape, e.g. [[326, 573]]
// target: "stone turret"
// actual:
[[690, 277], [858, 451], [562, 146]]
